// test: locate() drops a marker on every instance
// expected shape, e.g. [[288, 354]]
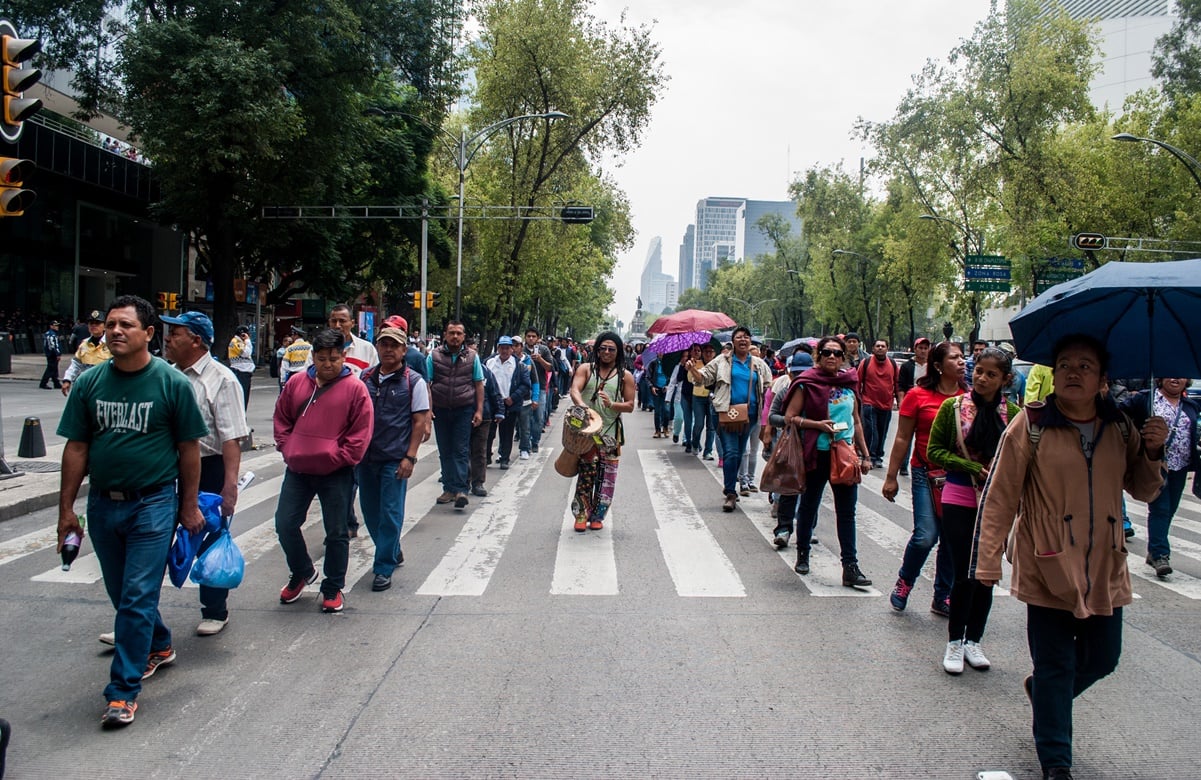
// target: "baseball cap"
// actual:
[[504, 341], [242, 329], [396, 334], [922, 340], [55, 323], [799, 362], [195, 321], [397, 321], [95, 316]]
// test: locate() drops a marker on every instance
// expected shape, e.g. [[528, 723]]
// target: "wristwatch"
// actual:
[[411, 459]]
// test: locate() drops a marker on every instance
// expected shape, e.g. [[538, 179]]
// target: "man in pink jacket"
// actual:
[[323, 422]]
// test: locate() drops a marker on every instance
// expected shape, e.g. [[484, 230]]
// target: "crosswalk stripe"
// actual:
[[362, 548], [696, 562], [585, 563], [28, 544], [467, 567]]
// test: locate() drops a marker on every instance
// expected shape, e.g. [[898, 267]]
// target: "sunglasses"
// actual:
[[831, 353], [606, 349]]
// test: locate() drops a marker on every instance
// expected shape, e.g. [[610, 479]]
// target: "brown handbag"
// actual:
[[784, 473], [738, 416], [844, 464]]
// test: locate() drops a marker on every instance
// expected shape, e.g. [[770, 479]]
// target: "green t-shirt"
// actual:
[[132, 423]]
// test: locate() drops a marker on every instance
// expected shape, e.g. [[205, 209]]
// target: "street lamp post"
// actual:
[[754, 307], [465, 149], [863, 275], [1189, 161]]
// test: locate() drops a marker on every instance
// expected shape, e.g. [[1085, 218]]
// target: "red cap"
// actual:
[[923, 339], [397, 321]]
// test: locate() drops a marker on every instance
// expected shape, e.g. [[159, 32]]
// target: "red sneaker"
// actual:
[[333, 603], [595, 525]]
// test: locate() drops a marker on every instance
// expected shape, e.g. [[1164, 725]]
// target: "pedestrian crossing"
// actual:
[[586, 564]]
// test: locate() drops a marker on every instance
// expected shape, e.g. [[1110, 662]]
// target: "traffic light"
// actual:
[[15, 50], [162, 300], [431, 299], [576, 215], [173, 301], [14, 199], [1086, 241], [417, 300]]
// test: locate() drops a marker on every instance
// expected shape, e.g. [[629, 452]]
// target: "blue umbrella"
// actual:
[[1148, 315]]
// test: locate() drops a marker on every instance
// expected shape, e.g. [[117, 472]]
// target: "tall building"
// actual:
[[654, 289], [1129, 30], [687, 247], [716, 223], [727, 230], [751, 241]]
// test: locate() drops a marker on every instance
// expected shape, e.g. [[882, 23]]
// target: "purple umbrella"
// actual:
[[676, 342]]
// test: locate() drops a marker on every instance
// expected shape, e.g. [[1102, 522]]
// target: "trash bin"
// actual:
[[6, 353]]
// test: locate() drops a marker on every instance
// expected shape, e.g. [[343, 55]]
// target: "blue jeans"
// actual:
[[1069, 655], [700, 415], [382, 497], [925, 536], [1161, 511], [846, 497], [452, 431], [713, 426], [131, 540], [537, 420], [295, 498], [662, 418], [525, 421], [733, 445], [875, 429]]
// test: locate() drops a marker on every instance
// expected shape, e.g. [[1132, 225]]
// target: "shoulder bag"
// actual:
[[738, 416]]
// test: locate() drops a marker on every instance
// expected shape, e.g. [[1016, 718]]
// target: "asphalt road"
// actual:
[[675, 643]]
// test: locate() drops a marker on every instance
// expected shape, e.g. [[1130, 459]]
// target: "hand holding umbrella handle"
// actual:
[[1154, 433]]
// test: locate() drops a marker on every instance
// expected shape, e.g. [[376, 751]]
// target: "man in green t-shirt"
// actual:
[[133, 426]]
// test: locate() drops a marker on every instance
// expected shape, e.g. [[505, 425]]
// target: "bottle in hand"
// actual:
[[70, 549]]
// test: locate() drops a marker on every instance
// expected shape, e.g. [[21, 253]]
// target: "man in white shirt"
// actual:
[[219, 396], [360, 354]]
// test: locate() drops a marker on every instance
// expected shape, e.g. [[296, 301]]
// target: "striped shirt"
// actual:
[[219, 396]]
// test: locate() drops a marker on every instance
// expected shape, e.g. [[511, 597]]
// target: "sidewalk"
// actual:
[[32, 367]]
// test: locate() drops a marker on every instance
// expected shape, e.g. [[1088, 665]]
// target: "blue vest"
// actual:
[[392, 400]]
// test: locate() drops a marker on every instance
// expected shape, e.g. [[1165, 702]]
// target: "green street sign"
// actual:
[[986, 285], [993, 260]]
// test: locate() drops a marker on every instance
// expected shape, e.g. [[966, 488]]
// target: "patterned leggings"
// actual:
[[594, 488]]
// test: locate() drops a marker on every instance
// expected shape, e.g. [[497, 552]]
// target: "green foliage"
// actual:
[[1176, 61]]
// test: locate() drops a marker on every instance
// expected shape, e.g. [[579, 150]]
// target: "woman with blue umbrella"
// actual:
[[1053, 503]]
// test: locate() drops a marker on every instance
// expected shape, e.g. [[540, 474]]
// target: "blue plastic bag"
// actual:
[[187, 543], [221, 565]]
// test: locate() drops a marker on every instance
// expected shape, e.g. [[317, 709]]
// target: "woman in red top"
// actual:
[[943, 380]]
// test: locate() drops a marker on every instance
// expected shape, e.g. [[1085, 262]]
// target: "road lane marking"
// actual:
[[468, 566], [585, 563], [696, 562]]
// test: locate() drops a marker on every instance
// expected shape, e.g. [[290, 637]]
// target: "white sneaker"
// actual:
[[108, 638], [524, 455], [952, 659], [210, 626], [974, 655]]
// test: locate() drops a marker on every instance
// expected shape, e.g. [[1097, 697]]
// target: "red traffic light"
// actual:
[[14, 199], [1087, 241]]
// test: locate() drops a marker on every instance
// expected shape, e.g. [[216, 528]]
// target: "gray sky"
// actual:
[[761, 90]]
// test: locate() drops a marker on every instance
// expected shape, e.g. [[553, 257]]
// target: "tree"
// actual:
[[1176, 61], [241, 105], [533, 57]]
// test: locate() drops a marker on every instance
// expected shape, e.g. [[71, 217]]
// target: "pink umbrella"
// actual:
[[690, 320]]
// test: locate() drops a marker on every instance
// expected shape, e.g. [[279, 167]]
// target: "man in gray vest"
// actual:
[[457, 397], [402, 419]]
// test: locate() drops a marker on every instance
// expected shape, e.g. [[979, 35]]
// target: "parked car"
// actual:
[[900, 357]]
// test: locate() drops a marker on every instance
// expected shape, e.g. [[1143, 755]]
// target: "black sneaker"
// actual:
[[381, 583], [479, 490], [460, 501], [941, 607], [802, 562], [852, 577], [781, 540], [1058, 773], [1162, 565]]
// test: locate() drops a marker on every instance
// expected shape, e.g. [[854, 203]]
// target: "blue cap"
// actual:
[[800, 361], [504, 341], [196, 322]]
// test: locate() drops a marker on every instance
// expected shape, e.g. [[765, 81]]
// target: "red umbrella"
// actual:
[[690, 320]]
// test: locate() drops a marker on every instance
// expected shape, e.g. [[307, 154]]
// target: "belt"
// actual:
[[134, 495]]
